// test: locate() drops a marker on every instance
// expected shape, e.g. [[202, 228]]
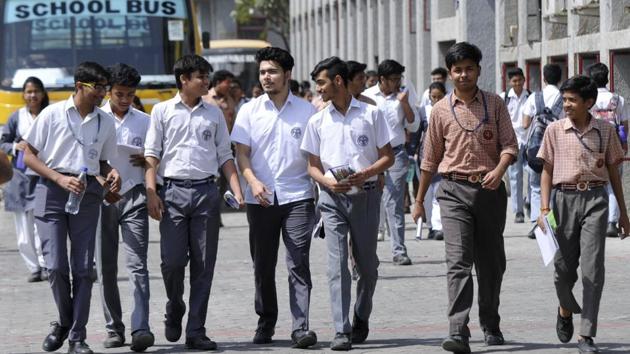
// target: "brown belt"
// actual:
[[580, 186], [472, 178]]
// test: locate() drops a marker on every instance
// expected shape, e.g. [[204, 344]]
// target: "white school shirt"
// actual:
[[603, 99], [394, 113], [130, 131], [58, 143], [275, 138], [550, 94], [515, 108], [351, 140], [191, 143]]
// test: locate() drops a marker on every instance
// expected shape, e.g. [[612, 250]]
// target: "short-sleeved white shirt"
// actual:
[[353, 139], [191, 143], [603, 99], [130, 131], [394, 113], [550, 94], [515, 107], [67, 143]]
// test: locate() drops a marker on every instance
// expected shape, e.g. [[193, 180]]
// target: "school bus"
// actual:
[[49, 38]]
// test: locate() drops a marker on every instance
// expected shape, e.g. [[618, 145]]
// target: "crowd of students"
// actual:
[[345, 156]]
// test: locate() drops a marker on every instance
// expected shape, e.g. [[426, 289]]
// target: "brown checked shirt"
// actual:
[[574, 162], [453, 144]]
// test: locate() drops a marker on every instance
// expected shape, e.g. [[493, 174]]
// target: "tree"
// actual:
[[276, 13]]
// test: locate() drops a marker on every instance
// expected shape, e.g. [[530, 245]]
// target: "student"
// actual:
[[187, 143], [220, 95], [129, 214], [396, 102], [65, 138], [18, 195], [612, 108], [356, 81], [471, 143], [372, 78], [515, 99], [364, 134], [279, 196], [580, 155], [438, 74]]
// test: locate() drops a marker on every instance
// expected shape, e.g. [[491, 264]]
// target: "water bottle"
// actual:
[[19, 163], [411, 171], [622, 134], [74, 200]]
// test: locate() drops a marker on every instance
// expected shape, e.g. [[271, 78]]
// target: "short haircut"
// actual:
[[552, 73], [123, 75], [390, 67], [237, 82], [354, 68], [440, 71], [584, 86], [599, 73], [89, 71], [188, 64], [294, 86], [371, 73], [35, 81], [437, 86], [305, 85], [334, 67], [462, 51], [279, 55], [220, 76], [511, 72]]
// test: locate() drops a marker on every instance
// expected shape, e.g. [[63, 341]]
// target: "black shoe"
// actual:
[[611, 230], [438, 235], [79, 348], [532, 234], [35, 277], [200, 343], [44, 274], [456, 344], [114, 340], [564, 328], [360, 330], [527, 208], [431, 235], [141, 340], [55, 339], [303, 339], [263, 336], [402, 259], [519, 218], [586, 345], [493, 337], [341, 341], [172, 330]]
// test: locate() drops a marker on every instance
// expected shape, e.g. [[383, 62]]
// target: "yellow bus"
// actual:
[[48, 38]]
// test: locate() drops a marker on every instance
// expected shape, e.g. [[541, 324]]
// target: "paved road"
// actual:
[[409, 304]]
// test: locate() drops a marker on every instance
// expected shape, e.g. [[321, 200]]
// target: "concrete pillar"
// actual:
[[372, 28], [407, 45], [319, 23], [326, 28], [334, 28], [382, 31], [359, 29]]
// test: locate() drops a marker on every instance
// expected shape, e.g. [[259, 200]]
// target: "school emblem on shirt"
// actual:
[[362, 140], [488, 135], [92, 154], [207, 134], [600, 163], [137, 141], [296, 133]]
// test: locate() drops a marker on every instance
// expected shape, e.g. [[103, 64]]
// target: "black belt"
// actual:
[[370, 185], [580, 186], [396, 149], [187, 183]]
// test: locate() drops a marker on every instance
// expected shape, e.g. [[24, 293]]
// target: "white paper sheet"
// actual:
[[547, 242]]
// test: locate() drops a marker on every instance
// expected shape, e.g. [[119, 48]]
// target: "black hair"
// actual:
[[462, 51], [237, 82], [188, 64], [582, 85], [354, 68], [511, 72], [294, 86], [89, 72], [221, 75], [599, 73], [440, 71], [552, 73], [334, 67], [123, 75], [305, 85], [279, 55], [138, 104], [390, 67], [35, 81], [371, 73], [437, 85]]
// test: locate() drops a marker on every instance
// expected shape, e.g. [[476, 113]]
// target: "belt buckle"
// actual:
[[474, 178], [188, 183], [581, 186]]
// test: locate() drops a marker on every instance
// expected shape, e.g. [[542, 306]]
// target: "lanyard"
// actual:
[[486, 118], [581, 139], [80, 141]]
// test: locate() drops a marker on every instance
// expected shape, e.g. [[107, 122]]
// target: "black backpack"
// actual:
[[544, 116]]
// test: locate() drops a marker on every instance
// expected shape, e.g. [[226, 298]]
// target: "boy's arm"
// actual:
[[154, 203], [229, 171], [68, 183], [545, 193]]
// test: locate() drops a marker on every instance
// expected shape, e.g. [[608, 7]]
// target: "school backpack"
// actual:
[[544, 116], [609, 114]]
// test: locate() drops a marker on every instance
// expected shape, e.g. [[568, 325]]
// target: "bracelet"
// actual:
[[542, 210], [419, 201]]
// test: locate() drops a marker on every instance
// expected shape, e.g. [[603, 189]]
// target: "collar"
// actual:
[[568, 125], [477, 97], [107, 108], [178, 99], [69, 105], [354, 103], [512, 93], [602, 89], [267, 100]]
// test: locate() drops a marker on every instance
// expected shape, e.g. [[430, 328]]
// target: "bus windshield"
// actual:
[[48, 38]]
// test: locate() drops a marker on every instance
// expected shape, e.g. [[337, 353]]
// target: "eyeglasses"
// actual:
[[97, 87]]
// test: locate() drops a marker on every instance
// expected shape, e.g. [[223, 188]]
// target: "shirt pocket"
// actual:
[[205, 131]]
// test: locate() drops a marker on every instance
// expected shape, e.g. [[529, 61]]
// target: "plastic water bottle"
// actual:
[[74, 200], [411, 171], [622, 134], [19, 163]]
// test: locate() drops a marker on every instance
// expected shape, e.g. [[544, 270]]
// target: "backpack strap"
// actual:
[[540, 102], [556, 109]]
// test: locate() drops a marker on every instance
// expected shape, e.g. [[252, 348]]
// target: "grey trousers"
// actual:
[[394, 200], [130, 214], [581, 233], [473, 221], [55, 226], [189, 230], [295, 222], [358, 214]]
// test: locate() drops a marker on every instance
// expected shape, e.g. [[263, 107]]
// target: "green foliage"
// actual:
[[276, 13]]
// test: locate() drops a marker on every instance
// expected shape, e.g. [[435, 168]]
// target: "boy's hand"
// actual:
[[540, 222], [624, 225]]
